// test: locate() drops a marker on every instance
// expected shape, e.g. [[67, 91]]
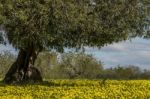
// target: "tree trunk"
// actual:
[[23, 69]]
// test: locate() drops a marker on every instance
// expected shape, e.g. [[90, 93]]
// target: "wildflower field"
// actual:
[[78, 89]]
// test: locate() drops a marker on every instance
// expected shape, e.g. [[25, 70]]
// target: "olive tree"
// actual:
[[35, 25]]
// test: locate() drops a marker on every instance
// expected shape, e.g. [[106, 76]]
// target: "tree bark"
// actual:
[[23, 69]]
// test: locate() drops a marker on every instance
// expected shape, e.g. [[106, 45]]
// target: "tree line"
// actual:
[[76, 66]]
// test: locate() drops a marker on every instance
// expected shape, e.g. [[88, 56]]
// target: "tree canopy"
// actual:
[[55, 24]]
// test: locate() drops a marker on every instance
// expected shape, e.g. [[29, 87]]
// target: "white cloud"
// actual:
[[135, 52]]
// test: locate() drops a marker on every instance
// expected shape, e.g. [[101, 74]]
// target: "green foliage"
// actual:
[[80, 65], [55, 24], [71, 65], [125, 72], [146, 74]]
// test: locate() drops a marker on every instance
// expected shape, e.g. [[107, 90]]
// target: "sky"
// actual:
[[135, 52]]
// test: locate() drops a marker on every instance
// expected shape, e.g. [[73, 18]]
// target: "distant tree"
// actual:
[[79, 65], [145, 74], [35, 25], [123, 72], [108, 74], [127, 72], [135, 71]]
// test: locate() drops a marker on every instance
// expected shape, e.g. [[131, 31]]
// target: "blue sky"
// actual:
[[135, 52]]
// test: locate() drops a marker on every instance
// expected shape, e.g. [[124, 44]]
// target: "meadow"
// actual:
[[78, 89]]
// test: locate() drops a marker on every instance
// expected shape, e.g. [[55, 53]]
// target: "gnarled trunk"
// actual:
[[23, 68]]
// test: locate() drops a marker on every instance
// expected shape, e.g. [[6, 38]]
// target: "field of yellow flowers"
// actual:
[[78, 89]]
